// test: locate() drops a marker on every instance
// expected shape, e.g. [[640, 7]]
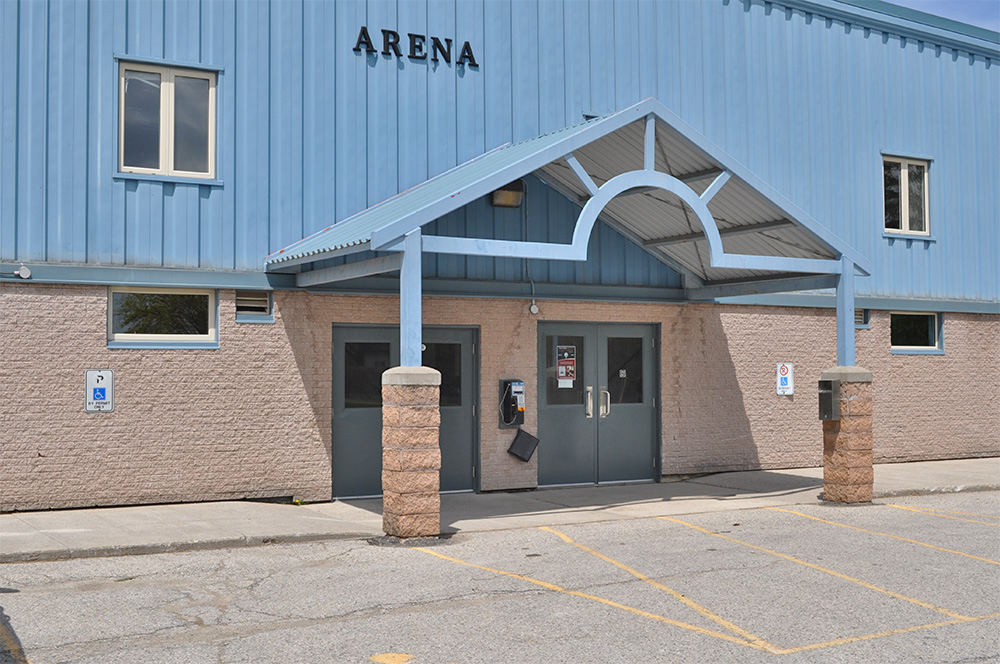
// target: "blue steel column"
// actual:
[[410, 296], [845, 314]]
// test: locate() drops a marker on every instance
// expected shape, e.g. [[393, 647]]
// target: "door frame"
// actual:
[[476, 388], [657, 335]]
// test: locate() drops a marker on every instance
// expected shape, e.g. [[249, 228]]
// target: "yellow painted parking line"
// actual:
[[942, 516], [673, 593], [896, 537], [879, 635], [838, 575], [601, 600], [934, 509], [391, 658]]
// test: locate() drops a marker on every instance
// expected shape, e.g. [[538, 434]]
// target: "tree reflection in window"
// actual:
[[160, 313]]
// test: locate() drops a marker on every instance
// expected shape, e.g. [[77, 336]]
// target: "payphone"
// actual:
[[511, 403]]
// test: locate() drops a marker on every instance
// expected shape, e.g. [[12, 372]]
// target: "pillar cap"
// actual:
[[847, 375], [411, 376]]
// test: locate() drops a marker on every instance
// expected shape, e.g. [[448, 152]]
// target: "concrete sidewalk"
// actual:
[[111, 531]]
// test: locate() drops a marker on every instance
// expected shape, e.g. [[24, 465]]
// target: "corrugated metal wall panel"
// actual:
[[9, 55], [311, 132]]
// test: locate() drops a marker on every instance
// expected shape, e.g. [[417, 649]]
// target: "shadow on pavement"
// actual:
[[11, 651], [584, 500]]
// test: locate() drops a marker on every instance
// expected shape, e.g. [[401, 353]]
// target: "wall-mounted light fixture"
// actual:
[[24, 272], [509, 196]]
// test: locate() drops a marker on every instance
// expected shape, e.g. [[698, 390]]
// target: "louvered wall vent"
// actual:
[[253, 302]]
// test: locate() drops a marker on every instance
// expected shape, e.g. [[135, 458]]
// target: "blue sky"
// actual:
[[982, 13]]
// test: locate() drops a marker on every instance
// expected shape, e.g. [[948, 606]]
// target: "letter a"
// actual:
[[467, 55], [366, 39]]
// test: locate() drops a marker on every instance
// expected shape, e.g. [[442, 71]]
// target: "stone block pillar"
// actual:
[[411, 454], [848, 470]]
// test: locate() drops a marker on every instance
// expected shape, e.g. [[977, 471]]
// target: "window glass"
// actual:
[[364, 364], [915, 181], [141, 130], [913, 330], [160, 313], [625, 369], [890, 177], [446, 358], [564, 370], [191, 97]]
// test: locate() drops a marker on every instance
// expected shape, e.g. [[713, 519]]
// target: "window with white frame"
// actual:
[[166, 121], [914, 331], [905, 195], [161, 315]]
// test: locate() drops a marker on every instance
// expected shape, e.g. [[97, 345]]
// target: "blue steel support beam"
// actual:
[[649, 149], [410, 296], [716, 185], [845, 314], [581, 174]]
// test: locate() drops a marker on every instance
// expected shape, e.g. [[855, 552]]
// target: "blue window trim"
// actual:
[[254, 318], [149, 177], [893, 237], [171, 345], [161, 62], [917, 351], [897, 154]]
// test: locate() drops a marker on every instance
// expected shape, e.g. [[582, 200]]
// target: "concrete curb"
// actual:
[[173, 547], [933, 490]]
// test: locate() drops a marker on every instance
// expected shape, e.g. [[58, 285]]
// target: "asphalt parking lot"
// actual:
[[910, 579]]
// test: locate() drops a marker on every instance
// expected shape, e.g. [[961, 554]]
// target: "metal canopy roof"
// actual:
[[639, 146]]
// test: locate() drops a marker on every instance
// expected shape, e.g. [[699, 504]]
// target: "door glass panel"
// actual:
[[446, 358], [564, 371], [364, 364], [625, 369]]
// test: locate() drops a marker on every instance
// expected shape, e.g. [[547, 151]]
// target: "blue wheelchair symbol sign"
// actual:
[[100, 394], [784, 381]]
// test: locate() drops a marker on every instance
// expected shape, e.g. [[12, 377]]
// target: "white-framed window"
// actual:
[[915, 332], [162, 316], [904, 183], [166, 121]]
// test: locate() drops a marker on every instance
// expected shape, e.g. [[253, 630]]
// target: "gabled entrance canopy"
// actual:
[[643, 171]]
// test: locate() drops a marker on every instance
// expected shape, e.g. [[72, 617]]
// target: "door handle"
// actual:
[[605, 403], [588, 406]]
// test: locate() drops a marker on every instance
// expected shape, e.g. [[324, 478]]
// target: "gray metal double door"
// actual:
[[360, 356], [597, 416]]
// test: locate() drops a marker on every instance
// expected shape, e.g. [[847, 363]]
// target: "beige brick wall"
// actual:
[[936, 406], [252, 418], [188, 424]]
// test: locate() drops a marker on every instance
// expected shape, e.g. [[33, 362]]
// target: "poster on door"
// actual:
[[565, 365]]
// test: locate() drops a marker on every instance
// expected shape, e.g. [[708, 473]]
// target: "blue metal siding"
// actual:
[[545, 216], [310, 132]]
